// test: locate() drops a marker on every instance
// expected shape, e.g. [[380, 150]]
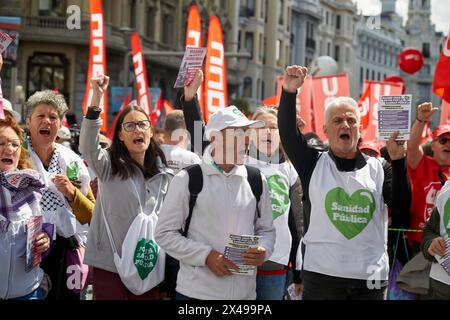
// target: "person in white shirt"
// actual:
[[175, 142]]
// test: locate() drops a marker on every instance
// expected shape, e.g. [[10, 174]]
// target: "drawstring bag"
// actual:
[[394, 291], [141, 267]]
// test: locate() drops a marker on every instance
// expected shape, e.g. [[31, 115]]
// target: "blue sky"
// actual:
[[440, 11]]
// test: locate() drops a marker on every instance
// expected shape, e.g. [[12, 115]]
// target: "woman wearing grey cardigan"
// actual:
[[132, 178]]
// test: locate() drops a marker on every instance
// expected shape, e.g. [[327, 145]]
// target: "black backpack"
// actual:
[[195, 187]]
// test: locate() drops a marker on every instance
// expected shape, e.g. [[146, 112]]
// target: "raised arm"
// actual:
[[193, 116], [415, 153], [302, 156], [90, 148]]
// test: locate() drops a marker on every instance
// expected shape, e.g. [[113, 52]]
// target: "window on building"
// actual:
[[47, 71], [263, 91], [369, 49], [167, 28], [336, 53], [281, 12], [327, 18], [261, 47], [367, 74], [258, 89], [54, 8], [278, 51], [263, 10], [385, 57], [361, 75], [251, 8], [379, 76], [347, 55], [249, 42], [132, 14], [248, 87], [329, 49], [426, 50], [338, 22], [373, 75], [150, 28]]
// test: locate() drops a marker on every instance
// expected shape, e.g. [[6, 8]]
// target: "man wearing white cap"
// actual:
[[226, 205]]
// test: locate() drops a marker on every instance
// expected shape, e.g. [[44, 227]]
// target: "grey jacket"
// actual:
[[117, 197]]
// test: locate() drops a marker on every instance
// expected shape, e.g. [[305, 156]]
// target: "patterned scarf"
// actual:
[[17, 189]]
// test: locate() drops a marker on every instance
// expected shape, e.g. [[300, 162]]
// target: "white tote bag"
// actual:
[[142, 264]]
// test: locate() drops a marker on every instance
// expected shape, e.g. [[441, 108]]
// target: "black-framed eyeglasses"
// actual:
[[443, 140], [131, 126]]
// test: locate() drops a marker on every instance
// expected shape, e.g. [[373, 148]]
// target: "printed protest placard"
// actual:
[[33, 258], [5, 41], [192, 61], [394, 114], [237, 246]]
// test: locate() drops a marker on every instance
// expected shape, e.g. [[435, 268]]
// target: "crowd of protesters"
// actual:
[[141, 218]]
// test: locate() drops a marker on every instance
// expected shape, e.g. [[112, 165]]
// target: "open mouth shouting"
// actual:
[[139, 141], [345, 137], [45, 132], [7, 161]]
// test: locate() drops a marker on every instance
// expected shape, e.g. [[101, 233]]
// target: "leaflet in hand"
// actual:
[[394, 114], [33, 258], [444, 261], [237, 246], [192, 61]]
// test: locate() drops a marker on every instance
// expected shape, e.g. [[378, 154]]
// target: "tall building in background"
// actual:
[[264, 31], [379, 43], [306, 18], [421, 34], [338, 39]]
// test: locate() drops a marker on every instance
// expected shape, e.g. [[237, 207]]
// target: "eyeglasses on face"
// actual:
[[15, 144], [443, 140], [131, 126]]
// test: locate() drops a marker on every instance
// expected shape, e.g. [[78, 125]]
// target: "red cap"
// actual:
[[371, 145], [439, 131]]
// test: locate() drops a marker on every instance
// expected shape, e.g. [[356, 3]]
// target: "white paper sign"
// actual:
[[192, 61], [237, 246], [444, 261], [394, 114]]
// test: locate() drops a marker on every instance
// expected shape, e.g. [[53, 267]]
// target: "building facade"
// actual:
[[338, 39], [379, 43], [306, 17]]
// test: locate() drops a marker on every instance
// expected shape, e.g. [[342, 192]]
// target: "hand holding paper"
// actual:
[[396, 149], [254, 256]]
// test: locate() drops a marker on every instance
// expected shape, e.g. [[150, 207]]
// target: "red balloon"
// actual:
[[396, 79], [410, 60]]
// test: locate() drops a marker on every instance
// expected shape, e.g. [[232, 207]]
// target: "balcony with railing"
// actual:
[[310, 43], [53, 29]]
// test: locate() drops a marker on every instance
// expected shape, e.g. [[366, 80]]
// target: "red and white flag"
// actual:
[[140, 71], [216, 92], [97, 59]]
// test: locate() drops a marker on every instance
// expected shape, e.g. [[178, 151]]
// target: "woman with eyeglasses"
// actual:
[[132, 179], [20, 192]]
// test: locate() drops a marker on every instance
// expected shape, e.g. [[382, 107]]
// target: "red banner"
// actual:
[[324, 89], [377, 89], [140, 71], [441, 85], [97, 59], [304, 102], [216, 93], [194, 39]]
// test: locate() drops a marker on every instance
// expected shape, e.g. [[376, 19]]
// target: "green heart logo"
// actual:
[[447, 217], [350, 215], [279, 195], [145, 257]]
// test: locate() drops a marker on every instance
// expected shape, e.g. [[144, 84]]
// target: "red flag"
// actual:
[[441, 84], [140, 72], [216, 92], [157, 112], [270, 101], [377, 89], [364, 107], [445, 112], [426, 134], [125, 102], [324, 89], [97, 58], [168, 106], [194, 39]]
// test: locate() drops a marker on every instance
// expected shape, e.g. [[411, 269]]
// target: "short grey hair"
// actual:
[[339, 101], [174, 121], [49, 97], [265, 110]]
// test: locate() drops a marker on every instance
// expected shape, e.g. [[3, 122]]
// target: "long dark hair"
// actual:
[[122, 163]]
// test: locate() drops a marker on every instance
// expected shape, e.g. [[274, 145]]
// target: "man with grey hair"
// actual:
[[175, 142], [344, 194]]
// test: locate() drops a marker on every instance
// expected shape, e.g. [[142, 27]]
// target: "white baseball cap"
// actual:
[[230, 117], [8, 107]]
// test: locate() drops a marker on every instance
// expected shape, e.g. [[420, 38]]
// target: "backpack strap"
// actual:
[[195, 187], [255, 181]]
